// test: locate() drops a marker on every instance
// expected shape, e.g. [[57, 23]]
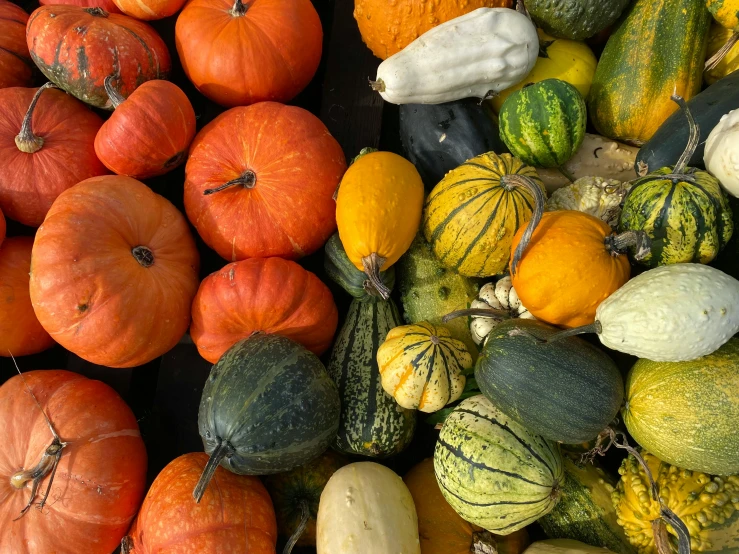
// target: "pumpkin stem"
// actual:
[[116, 98], [483, 542], [638, 240], [126, 545], [692, 140], [521, 8], [511, 181], [378, 86], [566, 173], [592, 328], [143, 255], [248, 180], [239, 8], [304, 517], [714, 60], [372, 265], [222, 449], [26, 141], [97, 12], [481, 312]]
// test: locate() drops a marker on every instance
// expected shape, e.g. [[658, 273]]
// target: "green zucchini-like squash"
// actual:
[[341, 270], [686, 413], [268, 406], [371, 423], [656, 50], [575, 19], [543, 124], [494, 472], [585, 511], [577, 387]]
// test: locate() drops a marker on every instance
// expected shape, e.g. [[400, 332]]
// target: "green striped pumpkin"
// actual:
[[543, 124], [492, 471], [371, 422], [688, 218], [342, 271]]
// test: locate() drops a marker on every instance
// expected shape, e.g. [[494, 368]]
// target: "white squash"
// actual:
[[593, 195], [564, 546], [721, 155], [499, 296], [481, 52], [366, 508]]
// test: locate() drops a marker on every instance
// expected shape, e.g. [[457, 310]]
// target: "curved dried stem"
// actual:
[[693, 139], [26, 141], [248, 180], [126, 545], [483, 542], [511, 181], [372, 265], [714, 60], [222, 449], [116, 98], [618, 244], [304, 517], [594, 327], [481, 312]]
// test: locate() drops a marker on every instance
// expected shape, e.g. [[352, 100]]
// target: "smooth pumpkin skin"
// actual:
[[378, 208], [730, 63], [89, 291], [2, 227], [726, 12], [29, 183], [270, 52], [149, 133], [290, 211], [262, 294], [148, 10], [80, 62], [108, 5], [387, 26], [16, 66], [20, 332], [566, 271], [101, 476]]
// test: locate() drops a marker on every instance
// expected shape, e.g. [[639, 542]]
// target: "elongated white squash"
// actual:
[[484, 51], [722, 152], [366, 508]]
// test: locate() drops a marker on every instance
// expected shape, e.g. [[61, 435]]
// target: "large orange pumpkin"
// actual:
[[234, 515], [113, 272], [260, 180], [20, 331], [111, 44], [16, 66], [108, 5], [2, 227], [101, 475], [46, 146], [148, 10], [388, 26], [271, 295], [245, 51]]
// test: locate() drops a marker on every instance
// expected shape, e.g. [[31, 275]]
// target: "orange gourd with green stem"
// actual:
[[378, 211]]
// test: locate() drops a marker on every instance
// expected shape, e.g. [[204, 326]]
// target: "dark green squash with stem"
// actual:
[[341, 270]]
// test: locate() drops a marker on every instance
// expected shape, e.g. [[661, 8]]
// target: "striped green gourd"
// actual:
[[543, 124], [492, 471], [342, 271], [371, 422]]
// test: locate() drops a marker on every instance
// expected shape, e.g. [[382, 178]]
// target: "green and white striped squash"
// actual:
[[543, 124], [492, 471], [371, 422]]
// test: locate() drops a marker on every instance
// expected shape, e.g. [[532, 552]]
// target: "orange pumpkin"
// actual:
[[245, 51], [20, 331], [440, 528], [148, 10], [16, 66], [262, 294], [114, 270], [388, 26], [235, 514], [2, 227], [108, 5]]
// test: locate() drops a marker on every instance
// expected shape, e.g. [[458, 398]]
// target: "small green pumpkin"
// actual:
[[340, 269], [543, 124]]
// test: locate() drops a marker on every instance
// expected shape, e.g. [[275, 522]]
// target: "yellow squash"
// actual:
[[726, 12], [378, 211]]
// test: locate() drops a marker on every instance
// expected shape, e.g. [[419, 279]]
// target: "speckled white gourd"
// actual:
[[672, 313], [721, 155]]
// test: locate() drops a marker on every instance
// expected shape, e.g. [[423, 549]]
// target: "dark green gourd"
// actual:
[[340, 269], [575, 19]]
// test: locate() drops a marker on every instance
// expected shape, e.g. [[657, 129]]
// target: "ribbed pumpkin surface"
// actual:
[[726, 12], [470, 217]]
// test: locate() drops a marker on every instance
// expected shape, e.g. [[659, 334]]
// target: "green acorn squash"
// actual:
[[341, 270], [268, 406], [575, 19], [543, 124], [371, 423]]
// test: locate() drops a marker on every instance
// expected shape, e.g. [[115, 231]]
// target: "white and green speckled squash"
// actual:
[[596, 196]]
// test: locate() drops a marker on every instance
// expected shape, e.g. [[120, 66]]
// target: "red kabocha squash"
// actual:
[[111, 44], [148, 134], [271, 295], [46, 146], [108, 5], [234, 515], [260, 180], [20, 331], [113, 272], [149, 9], [16, 66], [238, 52], [88, 462]]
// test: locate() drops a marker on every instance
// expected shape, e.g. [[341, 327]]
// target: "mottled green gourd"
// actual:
[[575, 19], [543, 124]]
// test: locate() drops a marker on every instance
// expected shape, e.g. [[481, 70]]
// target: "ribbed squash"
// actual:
[[378, 210], [726, 12], [422, 366], [472, 214], [341, 270], [708, 505], [729, 63], [575, 19], [658, 49]]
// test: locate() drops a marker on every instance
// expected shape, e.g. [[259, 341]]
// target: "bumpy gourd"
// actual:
[[422, 366], [596, 196], [495, 296], [722, 152]]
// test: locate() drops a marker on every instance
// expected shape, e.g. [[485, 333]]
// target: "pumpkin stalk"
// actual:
[[377, 86], [116, 98], [714, 60], [592, 328], [26, 141], [248, 180], [126, 545], [617, 244], [143, 255], [97, 12], [510, 182], [222, 449], [372, 265], [483, 312], [304, 517], [693, 139], [239, 8], [483, 542]]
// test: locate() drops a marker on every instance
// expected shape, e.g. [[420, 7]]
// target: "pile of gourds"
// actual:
[[506, 229]]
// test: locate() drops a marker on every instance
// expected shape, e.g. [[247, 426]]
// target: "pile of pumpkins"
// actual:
[[507, 228]]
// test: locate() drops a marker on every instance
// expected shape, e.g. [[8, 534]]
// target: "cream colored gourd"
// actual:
[[722, 152], [596, 196], [564, 546], [366, 508], [474, 55], [496, 296]]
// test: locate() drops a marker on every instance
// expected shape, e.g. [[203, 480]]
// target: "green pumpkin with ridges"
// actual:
[[543, 124], [575, 19], [343, 272], [371, 423]]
